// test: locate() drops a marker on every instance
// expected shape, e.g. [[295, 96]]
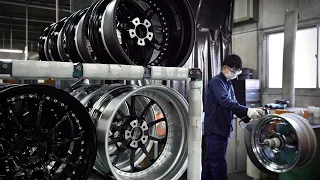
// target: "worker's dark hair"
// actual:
[[232, 61]]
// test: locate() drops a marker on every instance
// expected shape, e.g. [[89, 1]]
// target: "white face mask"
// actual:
[[230, 75]]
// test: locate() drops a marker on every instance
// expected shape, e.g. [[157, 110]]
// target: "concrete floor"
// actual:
[[242, 175], [231, 176]]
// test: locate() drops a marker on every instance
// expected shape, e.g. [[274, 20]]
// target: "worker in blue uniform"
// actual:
[[220, 107]]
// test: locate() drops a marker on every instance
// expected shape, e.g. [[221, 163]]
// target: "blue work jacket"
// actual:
[[220, 106]]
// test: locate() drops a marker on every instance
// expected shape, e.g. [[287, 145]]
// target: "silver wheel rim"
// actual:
[[294, 142], [104, 94], [172, 162], [113, 91]]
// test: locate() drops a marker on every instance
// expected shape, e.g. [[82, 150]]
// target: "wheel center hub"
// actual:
[[136, 133], [141, 31]]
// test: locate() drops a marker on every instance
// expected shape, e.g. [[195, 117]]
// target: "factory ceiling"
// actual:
[[41, 13]]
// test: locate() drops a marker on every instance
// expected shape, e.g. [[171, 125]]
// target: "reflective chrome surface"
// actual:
[[172, 160], [282, 142]]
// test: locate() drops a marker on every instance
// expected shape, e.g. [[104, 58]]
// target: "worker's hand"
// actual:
[[255, 113]]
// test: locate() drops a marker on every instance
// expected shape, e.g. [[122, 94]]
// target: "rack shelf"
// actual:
[[29, 69], [69, 70]]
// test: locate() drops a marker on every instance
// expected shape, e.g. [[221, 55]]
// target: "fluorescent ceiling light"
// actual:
[[11, 50]]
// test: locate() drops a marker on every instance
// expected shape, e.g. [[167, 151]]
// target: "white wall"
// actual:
[[249, 42]]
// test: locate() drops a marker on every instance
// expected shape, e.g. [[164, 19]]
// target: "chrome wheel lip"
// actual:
[[311, 137], [103, 89], [302, 129], [172, 171]]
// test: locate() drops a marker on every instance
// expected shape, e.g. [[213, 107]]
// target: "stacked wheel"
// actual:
[[133, 32], [45, 134], [126, 124]]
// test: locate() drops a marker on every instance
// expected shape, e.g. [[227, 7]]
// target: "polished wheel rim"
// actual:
[[282, 142], [122, 134], [46, 134]]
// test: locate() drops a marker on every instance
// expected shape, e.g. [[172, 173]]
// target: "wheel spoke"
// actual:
[[23, 107], [15, 120], [152, 123], [157, 139], [149, 12], [59, 123], [144, 149], [156, 44], [115, 153], [119, 155], [38, 125], [115, 128], [65, 161], [125, 11], [133, 106], [56, 165], [16, 170], [145, 111], [122, 115], [114, 141], [67, 141], [47, 175], [132, 158]]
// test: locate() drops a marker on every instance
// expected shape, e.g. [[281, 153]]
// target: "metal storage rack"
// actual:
[[10, 69]]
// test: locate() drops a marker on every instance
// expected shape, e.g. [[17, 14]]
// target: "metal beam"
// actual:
[[20, 30], [33, 5], [22, 25], [23, 41], [57, 10], [23, 19]]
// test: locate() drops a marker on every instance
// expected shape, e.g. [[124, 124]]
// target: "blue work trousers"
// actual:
[[215, 164]]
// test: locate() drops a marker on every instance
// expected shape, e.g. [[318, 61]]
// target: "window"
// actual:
[[305, 59]]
